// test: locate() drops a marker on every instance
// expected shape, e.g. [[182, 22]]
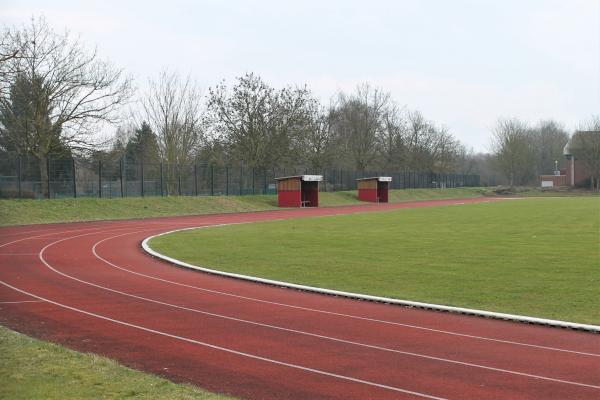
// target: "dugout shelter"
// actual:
[[374, 189], [298, 191]]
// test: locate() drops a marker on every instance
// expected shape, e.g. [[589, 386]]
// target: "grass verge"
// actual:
[[20, 212], [536, 257], [32, 369]]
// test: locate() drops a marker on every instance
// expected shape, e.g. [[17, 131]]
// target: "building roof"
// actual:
[[567, 149], [306, 178], [379, 178]]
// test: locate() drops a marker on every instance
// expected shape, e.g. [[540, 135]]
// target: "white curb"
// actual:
[[358, 296]]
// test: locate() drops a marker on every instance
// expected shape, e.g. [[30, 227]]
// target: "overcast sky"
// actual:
[[461, 63]]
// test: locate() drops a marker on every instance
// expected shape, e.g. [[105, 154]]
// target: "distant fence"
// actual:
[[22, 177]]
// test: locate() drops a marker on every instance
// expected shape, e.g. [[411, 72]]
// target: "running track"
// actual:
[[90, 287]]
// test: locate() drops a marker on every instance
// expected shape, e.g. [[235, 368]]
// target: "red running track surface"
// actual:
[[90, 287]]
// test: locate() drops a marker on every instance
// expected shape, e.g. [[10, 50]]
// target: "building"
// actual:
[[298, 191], [374, 189], [576, 171]]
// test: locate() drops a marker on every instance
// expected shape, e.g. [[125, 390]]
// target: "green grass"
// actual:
[[528, 191], [19, 212], [32, 369], [536, 256]]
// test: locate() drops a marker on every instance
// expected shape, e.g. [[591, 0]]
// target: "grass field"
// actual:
[[13, 212], [32, 369], [538, 257]]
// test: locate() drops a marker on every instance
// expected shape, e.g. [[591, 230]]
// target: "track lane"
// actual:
[[481, 356], [141, 263], [114, 257], [452, 377]]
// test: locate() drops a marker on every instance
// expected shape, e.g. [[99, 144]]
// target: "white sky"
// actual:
[[463, 63]]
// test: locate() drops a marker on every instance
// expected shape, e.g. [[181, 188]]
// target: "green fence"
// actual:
[[22, 177]]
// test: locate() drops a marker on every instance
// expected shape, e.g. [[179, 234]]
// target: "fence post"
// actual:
[[253, 188], [226, 181], [196, 179], [142, 178], [241, 179], [162, 189], [121, 176], [212, 180], [100, 178], [265, 182], [74, 179], [179, 179], [19, 175], [333, 176], [48, 174]]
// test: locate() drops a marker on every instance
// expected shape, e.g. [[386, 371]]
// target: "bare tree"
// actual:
[[312, 142], [256, 123], [446, 151], [358, 121], [485, 165], [420, 142], [511, 144], [173, 109], [55, 92], [548, 140], [585, 146], [8, 51], [391, 139], [466, 160]]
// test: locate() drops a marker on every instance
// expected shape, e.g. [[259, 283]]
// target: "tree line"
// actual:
[[55, 94], [253, 124], [522, 152]]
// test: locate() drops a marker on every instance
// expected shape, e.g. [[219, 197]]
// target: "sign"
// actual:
[[547, 184]]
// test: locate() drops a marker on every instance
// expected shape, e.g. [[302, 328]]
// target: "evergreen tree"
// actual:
[[25, 126], [143, 146]]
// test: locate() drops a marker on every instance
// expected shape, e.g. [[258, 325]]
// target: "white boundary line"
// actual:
[[408, 303], [405, 353], [404, 325], [19, 302]]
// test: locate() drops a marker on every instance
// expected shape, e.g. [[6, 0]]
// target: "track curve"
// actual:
[[90, 286]]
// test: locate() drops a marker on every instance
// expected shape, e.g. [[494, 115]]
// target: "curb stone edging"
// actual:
[[358, 296]]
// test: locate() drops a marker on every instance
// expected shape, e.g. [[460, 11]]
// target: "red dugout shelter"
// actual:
[[374, 189], [298, 191]]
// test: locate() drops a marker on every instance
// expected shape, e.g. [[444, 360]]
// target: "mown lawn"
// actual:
[[18, 212], [535, 256], [32, 369]]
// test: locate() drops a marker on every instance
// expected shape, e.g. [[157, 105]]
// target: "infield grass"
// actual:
[[32, 369], [535, 256]]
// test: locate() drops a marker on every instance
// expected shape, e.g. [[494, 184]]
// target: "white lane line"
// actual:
[[99, 228], [331, 312], [228, 350], [43, 236], [305, 308], [424, 356], [23, 233], [19, 302]]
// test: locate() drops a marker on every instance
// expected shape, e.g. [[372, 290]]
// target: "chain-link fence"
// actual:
[[22, 177]]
